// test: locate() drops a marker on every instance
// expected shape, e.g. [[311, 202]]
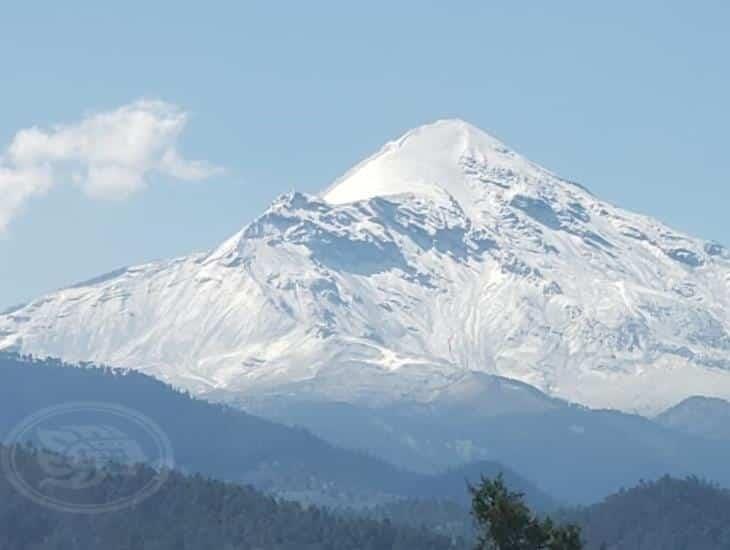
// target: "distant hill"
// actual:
[[450, 485], [194, 513], [668, 514], [230, 444], [704, 416]]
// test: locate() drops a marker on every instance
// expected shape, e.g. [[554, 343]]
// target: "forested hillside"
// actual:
[[667, 514], [193, 513]]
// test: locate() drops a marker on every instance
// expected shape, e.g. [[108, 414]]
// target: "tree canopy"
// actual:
[[505, 522]]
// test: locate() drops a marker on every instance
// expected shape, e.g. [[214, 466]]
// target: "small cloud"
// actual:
[[177, 167], [17, 186], [109, 155]]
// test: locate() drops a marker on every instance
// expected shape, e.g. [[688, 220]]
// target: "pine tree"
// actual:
[[505, 522]]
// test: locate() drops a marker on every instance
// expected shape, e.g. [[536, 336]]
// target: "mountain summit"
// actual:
[[441, 261], [430, 161]]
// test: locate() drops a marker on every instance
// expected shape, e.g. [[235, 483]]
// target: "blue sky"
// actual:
[[628, 98]]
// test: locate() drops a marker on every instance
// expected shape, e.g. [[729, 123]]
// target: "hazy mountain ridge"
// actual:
[[444, 254], [703, 416], [230, 444], [578, 455]]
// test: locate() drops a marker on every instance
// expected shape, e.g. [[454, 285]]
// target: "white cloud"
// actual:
[[109, 155], [17, 186]]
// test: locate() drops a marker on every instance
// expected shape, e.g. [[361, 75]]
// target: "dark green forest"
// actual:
[[193, 513], [666, 514]]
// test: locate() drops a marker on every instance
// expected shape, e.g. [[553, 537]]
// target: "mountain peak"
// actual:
[[453, 133], [448, 155]]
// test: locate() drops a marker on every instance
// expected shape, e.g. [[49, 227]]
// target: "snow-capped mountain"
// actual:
[[443, 256]]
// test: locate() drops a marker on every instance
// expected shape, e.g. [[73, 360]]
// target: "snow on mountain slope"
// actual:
[[443, 255]]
